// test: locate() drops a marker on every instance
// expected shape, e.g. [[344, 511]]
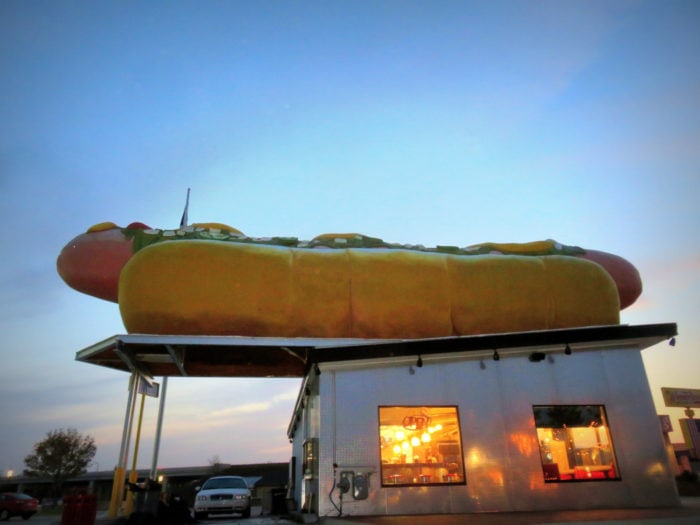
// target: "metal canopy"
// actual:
[[236, 356], [208, 356]]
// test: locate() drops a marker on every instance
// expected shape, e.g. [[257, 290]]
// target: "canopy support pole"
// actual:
[[159, 428], [120, 469]]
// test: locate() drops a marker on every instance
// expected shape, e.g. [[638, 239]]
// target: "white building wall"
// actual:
[[305, 427], [502, 459]]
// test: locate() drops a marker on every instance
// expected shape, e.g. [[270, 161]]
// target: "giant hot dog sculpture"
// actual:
[[211, 279]]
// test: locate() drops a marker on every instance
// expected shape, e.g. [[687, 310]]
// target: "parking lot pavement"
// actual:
[[687, 514], [253, 520], [256, 518], [102, 519], [223, 520]]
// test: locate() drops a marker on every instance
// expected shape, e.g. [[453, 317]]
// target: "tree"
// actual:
[[215, 464], [62, 455]]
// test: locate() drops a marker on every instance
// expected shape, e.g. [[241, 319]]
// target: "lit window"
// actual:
[[310, 463], [420, 446], [575, 443]]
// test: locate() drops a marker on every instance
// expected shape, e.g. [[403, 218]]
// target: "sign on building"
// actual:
[[691, 434], [150, 389], [681, 397]]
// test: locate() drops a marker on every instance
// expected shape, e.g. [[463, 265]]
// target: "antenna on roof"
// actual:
[[183, 220]]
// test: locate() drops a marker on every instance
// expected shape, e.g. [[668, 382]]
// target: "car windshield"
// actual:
[[225, 483], [23, 496]]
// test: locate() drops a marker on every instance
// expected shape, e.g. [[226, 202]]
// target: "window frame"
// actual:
[[421, 479], [310, 458], [607, 470]]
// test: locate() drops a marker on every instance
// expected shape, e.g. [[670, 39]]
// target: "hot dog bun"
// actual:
[[214, 288]]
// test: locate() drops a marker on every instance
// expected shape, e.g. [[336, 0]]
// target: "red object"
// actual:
[[551, 471], [591, 472], [17, 504], [80, 509], [91, 263], [625, 275]]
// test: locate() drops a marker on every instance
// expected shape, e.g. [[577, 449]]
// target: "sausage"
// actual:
[[92, 262]]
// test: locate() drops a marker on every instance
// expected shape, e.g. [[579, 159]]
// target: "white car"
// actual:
[[222, 495]]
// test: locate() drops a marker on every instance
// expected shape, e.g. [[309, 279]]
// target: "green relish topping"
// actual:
[[145, 237]]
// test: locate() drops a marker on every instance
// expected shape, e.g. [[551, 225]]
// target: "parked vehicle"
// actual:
[[17, 504], [222, 495]]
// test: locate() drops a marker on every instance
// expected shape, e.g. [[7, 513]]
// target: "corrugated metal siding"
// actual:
[[499, 441]]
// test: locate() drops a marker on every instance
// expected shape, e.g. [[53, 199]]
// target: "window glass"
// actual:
[[420, 445], [310, 467], [575, 443]]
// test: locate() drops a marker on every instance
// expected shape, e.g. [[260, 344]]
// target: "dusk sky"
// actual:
[[424, 122]]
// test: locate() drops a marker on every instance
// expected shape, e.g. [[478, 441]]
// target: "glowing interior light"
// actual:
[[405, 445], [475, 456], [425, 438], [415, 441], [438, 427], [400, 435], [397, 449]]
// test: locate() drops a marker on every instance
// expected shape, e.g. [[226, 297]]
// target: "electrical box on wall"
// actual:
[[345, 481], [360, 486], [355, 481]]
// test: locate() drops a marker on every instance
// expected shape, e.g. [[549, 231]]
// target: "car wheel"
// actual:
[[246, 513], [27, 515], [200, 515], [4, 514]]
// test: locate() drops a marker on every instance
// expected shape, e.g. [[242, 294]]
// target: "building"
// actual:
[[267, 481], [536, 420], [494, 423]]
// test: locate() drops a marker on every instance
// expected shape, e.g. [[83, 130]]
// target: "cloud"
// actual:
[[236, 411], [676, 270], [275, 452], [28, 291]]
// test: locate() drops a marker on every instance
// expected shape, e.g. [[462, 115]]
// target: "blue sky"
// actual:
[[450, 122]]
